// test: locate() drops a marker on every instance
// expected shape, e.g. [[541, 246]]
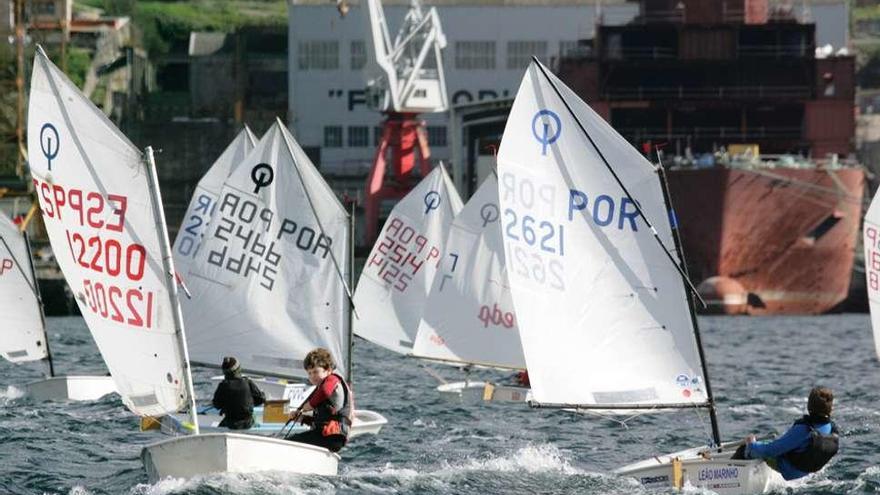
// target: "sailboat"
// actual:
[[102, 210], [272, 279], [24, 335], [194, 226], [468, 317], [605, 315], [871, 241], [398, 273]]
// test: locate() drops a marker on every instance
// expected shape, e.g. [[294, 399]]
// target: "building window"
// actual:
[[377, 135], [519, 53], [566, 48], [358, 55], [474, 54], [333, 136], [358, 136], [44, 8], [318, 55], [437, 135]]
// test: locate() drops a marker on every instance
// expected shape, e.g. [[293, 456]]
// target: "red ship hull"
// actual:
[[784, 236]]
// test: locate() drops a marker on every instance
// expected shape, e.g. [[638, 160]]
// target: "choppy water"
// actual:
[[761, 370]]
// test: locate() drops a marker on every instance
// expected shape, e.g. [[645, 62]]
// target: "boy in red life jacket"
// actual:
[[331, 401]]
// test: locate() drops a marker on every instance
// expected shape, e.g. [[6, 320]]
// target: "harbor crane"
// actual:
[[404, 79]]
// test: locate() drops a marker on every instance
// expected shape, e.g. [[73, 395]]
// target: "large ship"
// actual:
[[717, 83]]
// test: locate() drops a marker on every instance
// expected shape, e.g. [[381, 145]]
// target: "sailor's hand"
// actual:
[[296, 414]]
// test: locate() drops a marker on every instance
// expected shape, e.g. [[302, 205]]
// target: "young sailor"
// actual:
[[331, 401], [807, 445], [236, 397]]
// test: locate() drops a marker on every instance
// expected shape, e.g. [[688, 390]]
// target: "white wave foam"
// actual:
[[868, 481], [12, 392], [79, 490], [531, 459], [162, 487], [748, 408], [237, 483]]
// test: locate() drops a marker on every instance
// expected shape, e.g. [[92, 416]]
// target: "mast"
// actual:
[[676, 236], [36, 289], [638, 208], [350, 332], [19, 85], [171, 284]]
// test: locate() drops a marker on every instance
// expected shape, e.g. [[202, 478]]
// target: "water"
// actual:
[[761, 371]]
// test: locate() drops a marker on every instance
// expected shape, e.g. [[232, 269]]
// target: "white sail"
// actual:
[[602, 310], [267, 284], [24, 338], [871, 237], [204, 200], [94, 191], [469, 315], [398, 273]]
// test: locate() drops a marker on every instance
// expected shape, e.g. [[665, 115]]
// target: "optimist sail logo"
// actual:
[[546, 127], [50, 142]]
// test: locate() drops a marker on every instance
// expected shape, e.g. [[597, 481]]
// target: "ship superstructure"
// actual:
[[758, 119]]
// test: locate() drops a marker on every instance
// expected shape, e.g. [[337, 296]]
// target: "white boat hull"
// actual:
[[198, 455], [79, 388], [365, 422], [483, 391], [716, 472]]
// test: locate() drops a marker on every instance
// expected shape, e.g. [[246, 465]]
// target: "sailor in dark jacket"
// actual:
[[807, 445], [236, 397]]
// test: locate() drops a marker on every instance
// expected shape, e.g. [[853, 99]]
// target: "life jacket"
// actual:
[[819, 451], [330, 421]]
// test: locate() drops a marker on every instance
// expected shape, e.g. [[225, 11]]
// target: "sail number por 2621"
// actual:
[[549, 237]]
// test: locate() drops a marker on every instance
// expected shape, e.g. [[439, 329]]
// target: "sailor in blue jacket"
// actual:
[[806, 447]]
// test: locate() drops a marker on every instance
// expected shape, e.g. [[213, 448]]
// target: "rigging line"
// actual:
[[641, 213], [434, 374], [702, 421], [835, 191], [318, 220]]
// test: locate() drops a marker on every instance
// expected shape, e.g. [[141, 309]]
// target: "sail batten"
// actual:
[[602, 309]]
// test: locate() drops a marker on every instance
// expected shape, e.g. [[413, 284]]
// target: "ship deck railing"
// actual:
[[707, 92], [745, 51], [638, 134]]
